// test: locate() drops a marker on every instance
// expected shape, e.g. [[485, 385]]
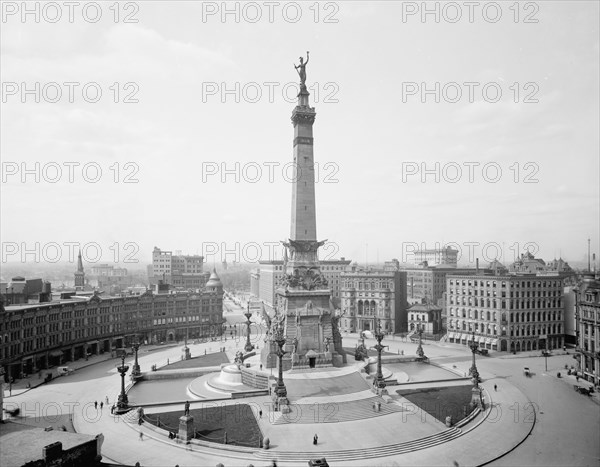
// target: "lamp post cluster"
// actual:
[[122, 401], [279, 339], [473, 370], [135, 370], [379, 382], [248, 347]]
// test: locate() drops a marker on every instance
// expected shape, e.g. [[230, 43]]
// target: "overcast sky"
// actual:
[[374, 133]]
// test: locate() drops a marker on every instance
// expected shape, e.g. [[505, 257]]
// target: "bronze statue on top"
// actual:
[[301, 69]]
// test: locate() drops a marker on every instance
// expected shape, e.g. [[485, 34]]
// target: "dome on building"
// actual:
[[214, 280]]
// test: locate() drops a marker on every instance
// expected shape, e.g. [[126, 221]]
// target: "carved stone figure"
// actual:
[[361, 353], [186, 410], [239, 358]]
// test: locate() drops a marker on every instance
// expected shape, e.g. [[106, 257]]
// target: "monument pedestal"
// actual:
[[186, 428], [284, 405], [476, 400]]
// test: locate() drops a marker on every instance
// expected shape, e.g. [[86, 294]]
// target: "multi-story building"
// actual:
[[393, 265], [426, 317], [507, 312], [265, 280], [20, 291], [368, 294], [429, 283], [37, 336], [106, 270], [446, 257], [529, 264], [587, 324], [182, 271]]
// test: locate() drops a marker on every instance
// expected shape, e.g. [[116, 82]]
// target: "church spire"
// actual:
[[79, 262], [79, 274]]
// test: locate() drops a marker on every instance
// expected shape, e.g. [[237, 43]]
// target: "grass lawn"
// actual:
[[211, 424], [441, 402], [211, 359]]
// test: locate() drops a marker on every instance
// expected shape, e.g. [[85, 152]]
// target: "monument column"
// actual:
[[303, 307], [304, 222]]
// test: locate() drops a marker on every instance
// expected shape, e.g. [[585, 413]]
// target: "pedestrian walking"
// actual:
[[261, 367], [260, 413], [96, 404], [495, 387], [141, 436], [106, 400], [101, 405], [315, 439]]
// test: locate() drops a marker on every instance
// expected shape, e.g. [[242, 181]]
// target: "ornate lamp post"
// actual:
[[379, 382], [135, 370], [476, 398], [248, 347], [122, 401], [420, 351], [280, 389], [473, 370]]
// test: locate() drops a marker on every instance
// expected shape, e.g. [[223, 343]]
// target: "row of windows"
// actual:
[[523, 317], [488, 283]]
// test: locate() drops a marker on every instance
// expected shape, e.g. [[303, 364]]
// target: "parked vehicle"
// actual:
[[64, 370], [546, 353], [526, 371], [483, 352], [583, 390]]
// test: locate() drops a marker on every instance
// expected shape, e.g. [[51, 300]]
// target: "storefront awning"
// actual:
[[482, 340], [56, 353], [494, 341], [488, 340]]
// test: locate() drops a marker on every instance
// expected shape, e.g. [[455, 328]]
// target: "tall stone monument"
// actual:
[[303, 304]]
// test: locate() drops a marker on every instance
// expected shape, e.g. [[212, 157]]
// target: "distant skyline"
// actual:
[[373, 134]]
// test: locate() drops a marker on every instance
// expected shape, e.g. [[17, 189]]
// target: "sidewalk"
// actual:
[[35, 380]]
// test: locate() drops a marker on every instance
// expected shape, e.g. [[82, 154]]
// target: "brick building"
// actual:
[[587, 325], [37, 336]]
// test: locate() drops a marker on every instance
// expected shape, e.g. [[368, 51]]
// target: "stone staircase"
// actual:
[[365, 453], [336, 412]]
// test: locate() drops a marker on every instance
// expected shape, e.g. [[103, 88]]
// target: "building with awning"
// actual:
[[506, 312], [36, 336]]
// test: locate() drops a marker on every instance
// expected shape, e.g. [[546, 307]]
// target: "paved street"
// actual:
[[552, 441]]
